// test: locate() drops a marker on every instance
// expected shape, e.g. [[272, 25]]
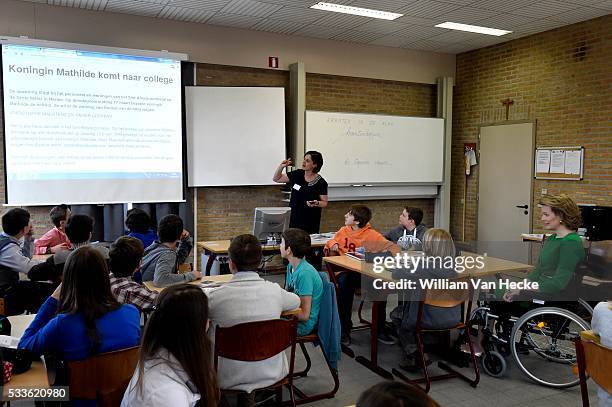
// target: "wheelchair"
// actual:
[[541, 341]]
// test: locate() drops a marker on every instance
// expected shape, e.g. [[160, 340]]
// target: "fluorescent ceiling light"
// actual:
[[358, 11], [473, 29]]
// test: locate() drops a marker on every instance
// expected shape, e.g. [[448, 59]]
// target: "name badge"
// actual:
[[296, 187]]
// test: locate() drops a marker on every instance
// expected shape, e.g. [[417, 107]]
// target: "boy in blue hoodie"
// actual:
[[138, 224]]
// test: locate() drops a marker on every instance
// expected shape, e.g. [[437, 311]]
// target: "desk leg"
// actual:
[[372, 363], [209, 262]]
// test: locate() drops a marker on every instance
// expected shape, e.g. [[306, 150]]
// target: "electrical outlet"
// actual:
[[544, 191]]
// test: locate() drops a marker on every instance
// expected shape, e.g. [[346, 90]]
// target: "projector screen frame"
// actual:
[[179, 57]]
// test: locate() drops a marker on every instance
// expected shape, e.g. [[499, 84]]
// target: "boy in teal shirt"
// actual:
[[302, 278]]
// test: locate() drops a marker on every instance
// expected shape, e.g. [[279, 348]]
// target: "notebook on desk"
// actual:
[[356, 256]]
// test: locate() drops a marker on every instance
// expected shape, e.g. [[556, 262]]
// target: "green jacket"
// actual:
[[557, 262]]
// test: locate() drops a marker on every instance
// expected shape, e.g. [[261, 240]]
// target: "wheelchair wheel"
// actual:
[[542, 345], [494, 364]]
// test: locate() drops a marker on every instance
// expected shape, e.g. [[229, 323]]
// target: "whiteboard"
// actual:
[[370, 149], [235, 135]]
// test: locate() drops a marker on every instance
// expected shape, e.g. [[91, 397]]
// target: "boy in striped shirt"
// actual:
[[125, 256]]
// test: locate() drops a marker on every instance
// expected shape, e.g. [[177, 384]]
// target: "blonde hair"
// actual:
[[564, 207], [438, 242]]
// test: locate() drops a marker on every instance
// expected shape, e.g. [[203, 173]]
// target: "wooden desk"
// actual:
[[41, 257], [590, 336], [36, 376], [220, 279], [214, 248], [224, 278], [492, 266]]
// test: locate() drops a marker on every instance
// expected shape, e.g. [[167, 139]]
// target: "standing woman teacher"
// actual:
[[308, 191]]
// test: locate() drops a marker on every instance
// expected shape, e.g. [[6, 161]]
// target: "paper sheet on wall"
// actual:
[[557, 162], [572, 162], [543, 161]]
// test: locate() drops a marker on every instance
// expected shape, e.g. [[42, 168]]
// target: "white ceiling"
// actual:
[[414, 30]]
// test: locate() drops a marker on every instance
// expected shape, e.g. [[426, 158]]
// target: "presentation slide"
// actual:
[[91, 127]]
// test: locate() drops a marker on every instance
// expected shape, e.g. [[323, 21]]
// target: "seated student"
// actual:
[[162, 257], [175, 366], [357, 232], [247, 298], [395, 394], [602, 326], [437, 244], [125, 256], [16, 258], [561, 252], [409, 234], [82, 317], [302, 279], [55, 239], [138, 223], [79, 229]]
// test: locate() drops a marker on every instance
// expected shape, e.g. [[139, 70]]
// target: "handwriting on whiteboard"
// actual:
[[356, 162], [362, 133]]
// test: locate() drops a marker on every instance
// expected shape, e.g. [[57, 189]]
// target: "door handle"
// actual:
[[522, 206]]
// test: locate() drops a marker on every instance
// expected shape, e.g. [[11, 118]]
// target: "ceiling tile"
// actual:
[[393, 40], [277, 26], [457, 48], [208, 5], [293, 3], [185, 14], [503, 5], [317, 31], [579, 14], [504, 21], [298, 15], [427, 8], [381, 26], [606, 5], [418, 32], [233, 20], [342, 20], [356, 36], [452, 36], [139, 8], [424, 45], [534, 27], [467, 15], [425, 22], [544, 8], [84, 4], [250, 8], [461, 2], [592, 3], [383, 5]]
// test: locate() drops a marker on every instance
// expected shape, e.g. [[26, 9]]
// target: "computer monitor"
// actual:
[[597, 222], [269, 222]]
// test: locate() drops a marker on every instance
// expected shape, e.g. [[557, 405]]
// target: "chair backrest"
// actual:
[[446, 298], [598, 359], [255, 341], [103, 376]]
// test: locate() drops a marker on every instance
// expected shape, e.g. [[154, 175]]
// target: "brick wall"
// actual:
[[224, 212], [561, 79], [359, 95]]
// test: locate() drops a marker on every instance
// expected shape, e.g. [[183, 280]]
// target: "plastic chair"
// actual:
[[442, 299], [595, 360], [257, 341], [103, 377]]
